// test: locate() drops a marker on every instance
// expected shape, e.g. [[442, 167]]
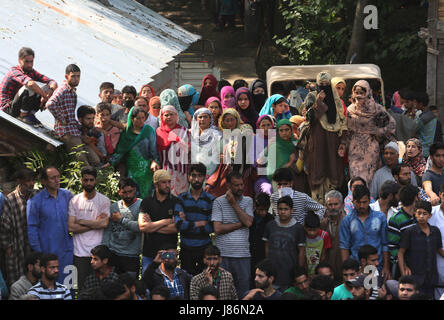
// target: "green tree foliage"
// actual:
[[319, 32]]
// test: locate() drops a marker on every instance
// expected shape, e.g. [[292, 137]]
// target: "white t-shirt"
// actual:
[[152, 121], [391, 211], [82, 208]]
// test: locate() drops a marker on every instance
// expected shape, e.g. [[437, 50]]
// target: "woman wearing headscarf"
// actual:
[[264, 137], [209, 89], [326, 123], [245, 107], [215, 106], [147, 91], [188, 98], [168, 97], [205, 140], [413, 157], [258, 89], [369, 126], [233, 151], [155, 106], [339, 84], [227, 97], [276, 106], [137, 148], [173, 147]]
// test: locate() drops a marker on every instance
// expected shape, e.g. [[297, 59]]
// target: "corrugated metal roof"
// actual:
[[126, 43]]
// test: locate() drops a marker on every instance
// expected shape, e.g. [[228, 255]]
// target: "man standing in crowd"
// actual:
[[264, 279], [88, 216], [232, 216], [214, 276], [407, 287], [388, 199], [330, 223], [14, 226], [156, 218], [437, 220], [192, 219], [30, 100], [48, 288], [107, 95], [364, 226], [350, 270], [402, 172], [47, 215], [120, 118], [302, 203], [122, 236], [434, 176], [62, 106], [163, 271], [30, 278]]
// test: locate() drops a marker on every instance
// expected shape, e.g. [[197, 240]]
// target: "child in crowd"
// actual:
[[111, 134], [317, 243]]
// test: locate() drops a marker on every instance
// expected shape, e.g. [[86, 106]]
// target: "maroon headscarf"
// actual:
[[207, 92]]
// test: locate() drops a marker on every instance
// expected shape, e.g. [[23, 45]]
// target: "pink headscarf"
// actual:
[[232, 102]]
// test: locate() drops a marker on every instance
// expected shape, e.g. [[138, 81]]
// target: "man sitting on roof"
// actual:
[[20, 95]]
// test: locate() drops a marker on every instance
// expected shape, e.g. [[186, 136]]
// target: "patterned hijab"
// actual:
[[416, 163]]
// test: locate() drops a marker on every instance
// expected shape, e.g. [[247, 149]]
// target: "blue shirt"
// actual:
[[195, 210], [2, 198], [353, 233], [48, 226]]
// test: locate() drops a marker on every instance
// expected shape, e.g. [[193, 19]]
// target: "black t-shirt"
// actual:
[[157, 211], [436, 179], [257, 244]]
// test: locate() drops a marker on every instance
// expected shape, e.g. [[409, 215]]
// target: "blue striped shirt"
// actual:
[[60, 292], [195, 210]]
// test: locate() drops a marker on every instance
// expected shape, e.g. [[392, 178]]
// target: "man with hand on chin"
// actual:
[[264, 283], [214, 276]]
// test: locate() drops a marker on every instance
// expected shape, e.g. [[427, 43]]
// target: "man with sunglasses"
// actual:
[[163, 271]]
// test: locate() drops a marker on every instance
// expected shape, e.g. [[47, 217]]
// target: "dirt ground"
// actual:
[[233, 55]]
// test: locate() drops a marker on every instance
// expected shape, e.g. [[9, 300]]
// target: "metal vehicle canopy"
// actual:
[[309, 72]]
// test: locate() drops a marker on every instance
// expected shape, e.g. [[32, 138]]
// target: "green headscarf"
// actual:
[[279, 152]]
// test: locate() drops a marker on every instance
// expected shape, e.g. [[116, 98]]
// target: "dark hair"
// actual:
[[353, 180], [25, 174], [435, 147], [88, 170], [72, 68], [101, 251], [141, 97], [350, 264], [405, 94], [127, 182], [277, 87], [161, 291], [387, 188], [110, 290], [136, 111], [425, 205], [222, 83], [199, 167], [25, 51], [211, 250], [106, 85], [365, 251], [422, 98], [433, 107], [323, 283], [85, 110], [297, 271], [287, 200], [239, 83], [407, 194], [267, 267], [360, 192], [45, 258], [130, 90], [408, 280], [32, 258], [283, 174], [44, 172], [312, 220], [233, 174], [310, 295], [321, 265], [262, 199], [102, 106], [208, 291], [396, 170]]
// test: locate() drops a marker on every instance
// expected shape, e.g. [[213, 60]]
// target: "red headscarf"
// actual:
[[207, 92], [144, 86], [165, 134]]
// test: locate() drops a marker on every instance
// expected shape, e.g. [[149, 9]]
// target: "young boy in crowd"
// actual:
[[261, 218], [285, 243], [111, 133], [317, 242], [418, 248], [350, 270]]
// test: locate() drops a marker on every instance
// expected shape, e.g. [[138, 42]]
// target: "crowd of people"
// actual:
[[228, 193]]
